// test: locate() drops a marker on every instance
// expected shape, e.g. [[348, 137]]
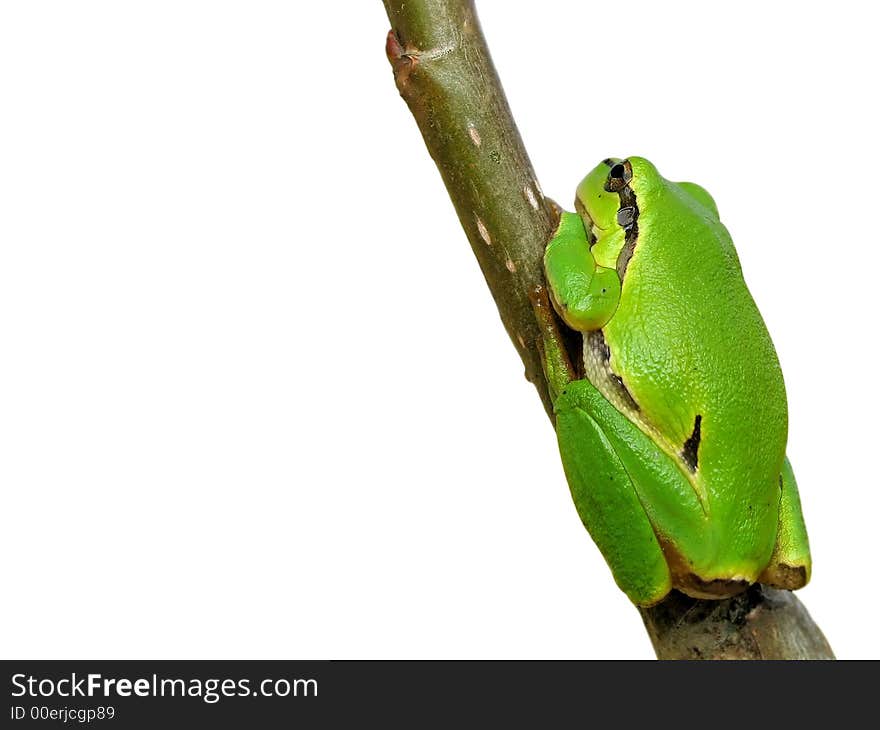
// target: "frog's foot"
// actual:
[[790, 564]]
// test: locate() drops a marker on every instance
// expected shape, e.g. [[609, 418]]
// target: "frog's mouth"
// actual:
[[589, 225]]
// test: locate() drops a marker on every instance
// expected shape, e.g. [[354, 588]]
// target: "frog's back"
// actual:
[[695, 356]]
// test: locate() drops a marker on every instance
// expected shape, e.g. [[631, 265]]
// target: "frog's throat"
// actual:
[[598, 370]]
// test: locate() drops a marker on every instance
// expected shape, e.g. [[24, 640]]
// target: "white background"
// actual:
[[255, 399]]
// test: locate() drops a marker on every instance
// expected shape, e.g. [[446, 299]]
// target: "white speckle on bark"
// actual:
[[522, 342], [475, 135], [538, 188], [511, 267], [434, 53], [484, 234], [533, 201]]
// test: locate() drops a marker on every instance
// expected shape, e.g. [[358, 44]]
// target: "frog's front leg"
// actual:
[[790, 564], [585, 294], [603, 493]]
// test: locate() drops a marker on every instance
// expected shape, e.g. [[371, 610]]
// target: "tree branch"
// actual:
[[444, 73]]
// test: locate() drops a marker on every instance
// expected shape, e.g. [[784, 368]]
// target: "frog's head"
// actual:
[[612, 186]]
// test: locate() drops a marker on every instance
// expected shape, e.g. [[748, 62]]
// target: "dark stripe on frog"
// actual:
[[628, 218], [599, 349], [692, 445]]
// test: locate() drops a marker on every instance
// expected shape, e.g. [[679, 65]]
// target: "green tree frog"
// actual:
[[672, 426]]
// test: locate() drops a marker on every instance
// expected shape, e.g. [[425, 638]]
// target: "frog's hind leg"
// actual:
[[602, 490], [790, 564], [607, 502]]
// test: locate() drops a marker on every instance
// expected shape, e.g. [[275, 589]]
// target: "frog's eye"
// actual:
[[619, 176]]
